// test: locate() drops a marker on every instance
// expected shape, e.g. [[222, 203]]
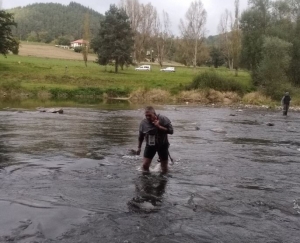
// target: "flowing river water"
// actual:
[[71, 177]]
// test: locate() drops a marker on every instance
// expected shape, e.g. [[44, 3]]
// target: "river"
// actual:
[[71, 178]]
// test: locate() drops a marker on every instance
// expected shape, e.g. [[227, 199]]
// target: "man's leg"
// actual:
[[146, 164], [164, 166], [149, 153], [163, 154], [284, 109]]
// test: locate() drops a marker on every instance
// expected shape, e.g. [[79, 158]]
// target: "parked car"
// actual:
[[168, 69], [143, 68]]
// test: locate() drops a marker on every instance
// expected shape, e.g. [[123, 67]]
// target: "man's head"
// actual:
[[287, 93], [150, 113]]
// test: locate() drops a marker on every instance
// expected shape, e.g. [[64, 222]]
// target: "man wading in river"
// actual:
[[285, 102], [155, 129]]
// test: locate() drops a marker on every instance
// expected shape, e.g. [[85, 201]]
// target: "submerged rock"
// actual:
[[95, 155], [270, 124], [51, 110]]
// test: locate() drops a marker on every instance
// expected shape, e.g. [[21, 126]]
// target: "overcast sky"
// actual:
[[175, 8]]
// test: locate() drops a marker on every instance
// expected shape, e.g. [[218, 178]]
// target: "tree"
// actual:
[[86, 38], [7, 41], [294, 71], [225, 37], [230, 37], [133, 10], [273, 68], [161, 35], [115, 39], [194, 26], [217, 58]]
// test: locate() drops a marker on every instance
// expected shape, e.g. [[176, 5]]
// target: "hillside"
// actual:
[[46, 22]]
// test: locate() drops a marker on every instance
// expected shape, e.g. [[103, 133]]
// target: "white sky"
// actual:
[[175, 8]]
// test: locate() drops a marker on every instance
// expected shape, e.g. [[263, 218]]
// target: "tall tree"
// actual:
[[274, 65], [86, 38], [7, 41], [236, 37], [133, 10], [194, 26], [161, 35], [254, 24], [295, 63], [115, 38], [225, 39]]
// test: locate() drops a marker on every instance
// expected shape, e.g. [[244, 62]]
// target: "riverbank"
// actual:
[[32, 77]]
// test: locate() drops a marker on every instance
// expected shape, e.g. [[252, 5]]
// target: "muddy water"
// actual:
[[70, 177]]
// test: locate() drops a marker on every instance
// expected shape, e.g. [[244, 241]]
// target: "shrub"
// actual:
[[211, 80], [78, 49]]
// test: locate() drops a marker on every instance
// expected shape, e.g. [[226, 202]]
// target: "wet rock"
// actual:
[[270, 124], [51, 110], [197, 128], [95, 155], [132, 152], [232, 115]]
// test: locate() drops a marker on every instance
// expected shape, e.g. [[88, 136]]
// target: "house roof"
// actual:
[[81, 41]]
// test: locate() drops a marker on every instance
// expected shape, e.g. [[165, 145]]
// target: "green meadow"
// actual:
[[34, 74]]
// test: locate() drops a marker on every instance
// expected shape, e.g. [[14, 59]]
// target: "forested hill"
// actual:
[[46, 22]]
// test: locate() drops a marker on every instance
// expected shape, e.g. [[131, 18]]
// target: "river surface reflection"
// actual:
[[70, 178]]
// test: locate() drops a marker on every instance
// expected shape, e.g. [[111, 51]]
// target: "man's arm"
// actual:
[[168, 128], [140, 142]]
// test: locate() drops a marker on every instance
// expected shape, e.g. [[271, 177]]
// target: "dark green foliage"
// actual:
[[7, 41], [212, 80], [50, 21], [272, 71], [115, 39], [78, 49], [294, 71], [217, 58]]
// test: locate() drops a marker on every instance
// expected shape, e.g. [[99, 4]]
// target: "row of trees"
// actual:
[[150, 34], [271, 44]]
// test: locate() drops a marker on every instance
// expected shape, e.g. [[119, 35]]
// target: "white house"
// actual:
[[78, 43]]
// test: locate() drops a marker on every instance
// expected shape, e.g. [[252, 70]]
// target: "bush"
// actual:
[[78, 49], [211, 80]]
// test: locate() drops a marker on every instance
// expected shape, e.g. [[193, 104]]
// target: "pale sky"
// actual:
[[175, 8]]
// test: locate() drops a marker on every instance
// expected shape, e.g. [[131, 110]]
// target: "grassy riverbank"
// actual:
[[34, 74], [41, 72]]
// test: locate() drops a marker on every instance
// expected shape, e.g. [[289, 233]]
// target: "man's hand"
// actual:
[[156, 123], [138, 152]]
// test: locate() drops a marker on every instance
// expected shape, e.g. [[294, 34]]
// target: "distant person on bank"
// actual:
[[155, 129], [285, 102]]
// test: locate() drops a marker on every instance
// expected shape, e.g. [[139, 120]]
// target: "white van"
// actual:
[[143, 68]]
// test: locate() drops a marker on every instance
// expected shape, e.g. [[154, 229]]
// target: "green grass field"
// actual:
[[35, 73]]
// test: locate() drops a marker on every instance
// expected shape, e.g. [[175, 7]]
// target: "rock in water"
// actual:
[[95, 155], [51, 110], [197, 128], [270, 124]]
